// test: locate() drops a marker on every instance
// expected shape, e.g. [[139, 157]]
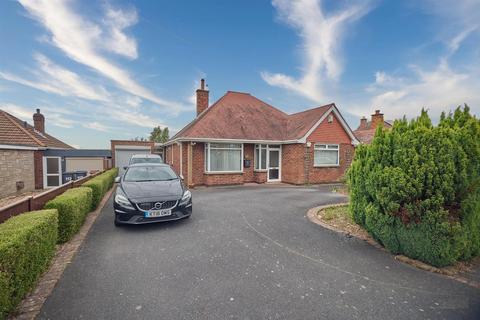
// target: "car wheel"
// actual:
[[117, 224]]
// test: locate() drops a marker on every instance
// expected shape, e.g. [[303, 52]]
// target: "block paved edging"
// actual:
[[313, 217], [32, 304]]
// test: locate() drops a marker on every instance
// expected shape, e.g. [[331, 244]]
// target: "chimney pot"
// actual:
[[202, 84]]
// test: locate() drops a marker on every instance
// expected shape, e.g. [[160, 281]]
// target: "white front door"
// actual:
[[52, 172], [273, 162]]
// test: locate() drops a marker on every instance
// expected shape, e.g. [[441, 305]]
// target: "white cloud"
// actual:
[[117, 41], [452, 82], [82, 40], [26, 114], [439, 89], [96, 126], [53, 78], [321, 36]]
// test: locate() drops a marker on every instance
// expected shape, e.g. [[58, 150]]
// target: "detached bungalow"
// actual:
[[242, 139]]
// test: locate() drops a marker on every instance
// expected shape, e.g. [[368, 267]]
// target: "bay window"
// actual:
[[326, 155], [223, 157], [260, 157]]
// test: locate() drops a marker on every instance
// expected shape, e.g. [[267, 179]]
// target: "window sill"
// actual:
[[327, 166], [224, 172], [260, 170]]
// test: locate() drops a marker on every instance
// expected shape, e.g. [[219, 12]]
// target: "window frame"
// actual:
[[207, 157], [318, 147], [46, 174], [258, 160]]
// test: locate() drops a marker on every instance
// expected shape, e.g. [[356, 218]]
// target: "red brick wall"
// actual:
[[113, 143], [297, 159], [331, 174], [38, 168], [223, 179], [293, 159], [198, 165], [330, 132]]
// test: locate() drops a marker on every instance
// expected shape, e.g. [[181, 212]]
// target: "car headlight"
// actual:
[[123, 201], [187, 195]]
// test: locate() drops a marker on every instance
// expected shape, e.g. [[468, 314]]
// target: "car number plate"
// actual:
[[158, 213]]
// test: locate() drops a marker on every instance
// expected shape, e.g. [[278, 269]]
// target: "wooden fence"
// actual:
[[37, 201]]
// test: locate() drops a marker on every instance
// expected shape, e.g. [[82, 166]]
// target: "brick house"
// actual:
[[366, 130], [24, 161], [242, 139]]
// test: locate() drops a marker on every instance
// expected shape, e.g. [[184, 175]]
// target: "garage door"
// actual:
[[122, 155]]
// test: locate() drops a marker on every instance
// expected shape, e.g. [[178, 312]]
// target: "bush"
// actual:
[[416, 188], [73, 206], [100, 185], [27, 244]]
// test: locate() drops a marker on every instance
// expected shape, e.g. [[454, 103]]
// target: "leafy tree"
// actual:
[[159, 135], [416, 188]]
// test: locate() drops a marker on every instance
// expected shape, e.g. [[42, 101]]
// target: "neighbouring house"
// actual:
[[24, 166], [31, 159], [366, 130], [241, 138]]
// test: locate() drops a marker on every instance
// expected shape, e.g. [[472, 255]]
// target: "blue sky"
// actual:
[[114, 69]]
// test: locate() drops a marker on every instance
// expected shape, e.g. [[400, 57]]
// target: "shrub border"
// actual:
[[312, 216], [31, 305]]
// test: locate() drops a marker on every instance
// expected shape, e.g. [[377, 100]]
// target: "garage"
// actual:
[[123, 150]]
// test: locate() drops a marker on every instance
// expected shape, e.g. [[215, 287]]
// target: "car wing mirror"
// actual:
[[117, 179], [125, 168], [182, 177]]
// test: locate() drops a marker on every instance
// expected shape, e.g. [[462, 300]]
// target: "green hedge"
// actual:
[[73, 206], [100, 185], [27, 244], [416, 188]]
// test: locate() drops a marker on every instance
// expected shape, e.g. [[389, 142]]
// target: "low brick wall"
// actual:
[[16, 166], [38, 201]]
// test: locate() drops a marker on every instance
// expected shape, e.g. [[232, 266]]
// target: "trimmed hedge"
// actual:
[[73, 206], [416, 188], [27, 244], [100, 185]]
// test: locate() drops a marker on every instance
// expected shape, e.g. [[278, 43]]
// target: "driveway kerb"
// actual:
[[312, 216]]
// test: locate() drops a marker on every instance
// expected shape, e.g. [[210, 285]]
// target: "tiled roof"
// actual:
[[365, 136], [239, 115], [14, 131], [368, 126]]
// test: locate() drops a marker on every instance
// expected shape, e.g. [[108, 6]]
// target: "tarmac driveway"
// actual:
[[247, 253]]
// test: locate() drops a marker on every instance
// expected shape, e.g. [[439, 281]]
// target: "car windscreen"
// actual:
[[145, 160], [147, 173]]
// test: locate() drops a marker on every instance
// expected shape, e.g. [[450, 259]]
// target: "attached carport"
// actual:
[[122, 150]]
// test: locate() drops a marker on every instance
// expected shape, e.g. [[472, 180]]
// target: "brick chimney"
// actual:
[[202, 97], [39, 121], [377, 119], [363, 124]]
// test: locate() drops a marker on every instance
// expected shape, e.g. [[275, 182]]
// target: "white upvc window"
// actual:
[[326, 155], [223, 157], [260, 157]]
